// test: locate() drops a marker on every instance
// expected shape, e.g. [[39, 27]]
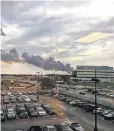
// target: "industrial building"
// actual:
[[86, 73]]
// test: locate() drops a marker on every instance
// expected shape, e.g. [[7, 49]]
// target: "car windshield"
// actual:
[[23, 110], [75, 124], [52, 129], [65, 127]]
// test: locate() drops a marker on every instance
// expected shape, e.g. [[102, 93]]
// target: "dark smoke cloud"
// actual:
[[12, 55], [47, 64]]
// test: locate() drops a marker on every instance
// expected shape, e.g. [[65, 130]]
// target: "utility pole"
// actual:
[[95, 129], [37, 81]]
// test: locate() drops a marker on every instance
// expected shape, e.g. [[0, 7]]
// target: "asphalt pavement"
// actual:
[[87, 119], [72, 113], [109, 102]]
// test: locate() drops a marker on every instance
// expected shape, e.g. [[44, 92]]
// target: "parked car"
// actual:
[[99, 111], [8, 106], [29, 106], [105, 112], [32, 112], [73, 102], [44, 106], [10, 113], [68, 100], [109, 116], [41, 111], [27, 100], [63, 127], [76, 126], [49, 128], [34, 99], [80, 104], [22, 112], [6, 100], [18, 106], [50, 111], [36, 105], [13, 99], [2, 114], [20, 99], [90, 107], [82, 93]]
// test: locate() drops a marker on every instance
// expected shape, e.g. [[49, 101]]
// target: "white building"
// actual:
[[86, 73]]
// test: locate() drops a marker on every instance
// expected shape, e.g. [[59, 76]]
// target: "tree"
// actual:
[[47, 84]]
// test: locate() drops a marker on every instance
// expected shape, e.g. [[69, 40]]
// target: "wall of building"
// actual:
[[86, 73]]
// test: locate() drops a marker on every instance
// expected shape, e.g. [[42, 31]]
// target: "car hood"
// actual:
[[41, 111], [34, 113], [24, 113], [79, 128]]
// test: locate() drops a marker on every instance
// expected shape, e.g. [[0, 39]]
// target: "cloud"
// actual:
[[47, 29], [93, 37], [12, 56]]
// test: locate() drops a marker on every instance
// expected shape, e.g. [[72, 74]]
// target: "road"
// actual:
[[87, 120], [77, 114], [89, 97]]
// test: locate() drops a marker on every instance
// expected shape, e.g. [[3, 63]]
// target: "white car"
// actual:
[[27, 100], [41, 111], [9, 93], [11, 114]]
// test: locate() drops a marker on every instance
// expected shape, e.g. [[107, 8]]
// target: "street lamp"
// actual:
[[37, 82], [95, 80]]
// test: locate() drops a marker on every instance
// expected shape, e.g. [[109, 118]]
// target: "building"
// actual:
[[86, 73]]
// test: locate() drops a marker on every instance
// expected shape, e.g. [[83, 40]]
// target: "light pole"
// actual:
[[95, 129], [37, 81]]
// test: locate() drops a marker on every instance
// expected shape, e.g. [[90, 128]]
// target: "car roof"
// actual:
[[50, 126]]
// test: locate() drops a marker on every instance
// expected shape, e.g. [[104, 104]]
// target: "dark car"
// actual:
[[50, 111], [19, 99], [76, 126], [68, 100], [65, 99], [22, 112], [80, 104], [49, 128], [82, 93], [2, 114], [90, 107], [45, 106], [18, 106], [93, 91], [29, 105], [63, 127], [32, 112]]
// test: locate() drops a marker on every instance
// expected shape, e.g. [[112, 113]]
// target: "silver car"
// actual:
[[11, 114]]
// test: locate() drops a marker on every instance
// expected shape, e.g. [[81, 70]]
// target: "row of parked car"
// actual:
[[19, 97], [65, 126], [101, 93], [26, 110], [107, 114]]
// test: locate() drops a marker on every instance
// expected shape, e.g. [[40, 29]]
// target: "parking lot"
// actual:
[[26, 106]]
